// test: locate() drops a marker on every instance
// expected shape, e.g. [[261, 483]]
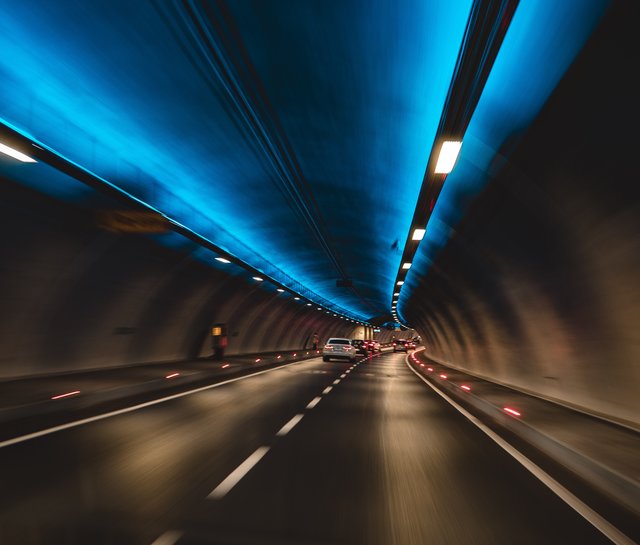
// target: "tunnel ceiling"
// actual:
[[293, 134]]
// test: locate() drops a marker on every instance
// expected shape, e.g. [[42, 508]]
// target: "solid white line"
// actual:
[[337, 381], [289, 425], [600, 523], [236, 475], [168, 538], [77, 423], [327, 390], [314, 402]]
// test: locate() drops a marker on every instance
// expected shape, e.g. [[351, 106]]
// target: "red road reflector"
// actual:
[[430, 369], [257, 360], [225, 366], [511, 411], [443, 376], [465, 387], [173, 375]]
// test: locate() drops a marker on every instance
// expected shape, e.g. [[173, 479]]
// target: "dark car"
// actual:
[[375, 346], [361, 346], [400, 345]]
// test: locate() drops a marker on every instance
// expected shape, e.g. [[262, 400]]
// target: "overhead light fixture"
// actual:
[[222, 260], [257, 278], [297, 298], [397, 293], [16, 154], [406, 266], [319, 308], [399, 282], [418, 234], [280, 290], [448, 155], [308, 304]]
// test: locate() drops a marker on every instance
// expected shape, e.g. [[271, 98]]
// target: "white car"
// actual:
[[339, 349]]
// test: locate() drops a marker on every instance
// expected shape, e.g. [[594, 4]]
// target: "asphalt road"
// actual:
[[310, 453]]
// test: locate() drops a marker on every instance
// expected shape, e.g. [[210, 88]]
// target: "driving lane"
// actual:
[[310, 453]]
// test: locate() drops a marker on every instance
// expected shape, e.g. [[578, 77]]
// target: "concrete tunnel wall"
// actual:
[[539, 287], [78, 297]]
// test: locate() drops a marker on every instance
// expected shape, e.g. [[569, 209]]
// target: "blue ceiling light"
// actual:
[[193, 152], [543, 39], [485, 31]]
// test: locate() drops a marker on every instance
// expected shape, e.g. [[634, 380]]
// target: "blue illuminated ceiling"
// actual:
[[294, 134]]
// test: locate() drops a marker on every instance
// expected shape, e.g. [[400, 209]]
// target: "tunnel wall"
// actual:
[[539, 286], [74, 296]]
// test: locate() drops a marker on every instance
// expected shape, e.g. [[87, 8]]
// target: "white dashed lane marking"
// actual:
[[289, 425], [236, 475], [314, 402], [168, 538]]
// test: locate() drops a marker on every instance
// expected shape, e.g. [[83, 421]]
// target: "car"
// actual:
[[400, 345], [361, 346], [374, 346], [338, 348]]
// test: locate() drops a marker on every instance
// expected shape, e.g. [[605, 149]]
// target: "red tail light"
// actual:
[[328, 347]]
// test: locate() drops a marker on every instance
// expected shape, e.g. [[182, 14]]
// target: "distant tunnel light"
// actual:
[[258, 279], [448, 155], [511, 411], [418, 234], [222, 260], [16, 154], [406, 266]]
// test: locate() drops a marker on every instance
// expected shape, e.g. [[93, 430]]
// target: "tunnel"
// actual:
[[319, 272]]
